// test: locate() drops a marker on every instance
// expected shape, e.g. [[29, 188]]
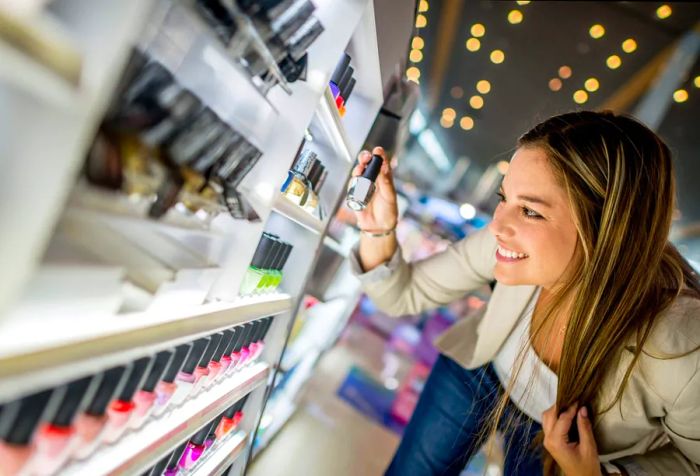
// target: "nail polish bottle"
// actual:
[[253, 346], [296, 187], [211, 437], [338, 72], [265, 283], [314, 176], [166, 388], [90, 424], [342, 85], [52, 440], [245, 350], [260, 344], [215, 363], [195, 448], [362, 188], [256, 270], [226, 358], [278, 271], [237, 354], [146, 397], [186, 378], [121, 408], [226, 424], [172, 468], [201, 373], [19, 420]]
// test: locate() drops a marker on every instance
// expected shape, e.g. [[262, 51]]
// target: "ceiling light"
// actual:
[[446, 123], [423, 6], [680, 96], [417, 43], [457, 92], [413, 73], [449, 113], [696, 81], [473, 44], [497, 56], [502, 167], [564, 72], [515, 17], [591, 85], [663, 12], [613, 62], [466, 123], [467, 211], [597, 31], [580, 96], [421, 20], [555, 84], [416, 56], [483, 86], [629, 45], [478, 30], [523, 2], [477, 102]]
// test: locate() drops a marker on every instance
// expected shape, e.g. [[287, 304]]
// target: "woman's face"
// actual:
[[533, 224]]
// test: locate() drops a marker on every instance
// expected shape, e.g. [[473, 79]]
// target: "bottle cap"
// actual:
[[178, 360], [160, 364], [214, 340], [198, 348], [135, 378]]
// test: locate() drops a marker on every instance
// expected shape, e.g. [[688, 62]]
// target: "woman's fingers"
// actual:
[[363, 159], [563, 423], [585, 429]]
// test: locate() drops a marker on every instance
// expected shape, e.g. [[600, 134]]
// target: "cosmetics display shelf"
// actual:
[[137, 451], [222, 456], [333, 126], [283, 412], [71, 349], [298, 215]]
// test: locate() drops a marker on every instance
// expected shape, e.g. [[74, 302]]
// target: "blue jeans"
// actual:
[[446, 427]]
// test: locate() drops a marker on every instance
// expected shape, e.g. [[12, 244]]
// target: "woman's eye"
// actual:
[[501, 197], [530, 213]]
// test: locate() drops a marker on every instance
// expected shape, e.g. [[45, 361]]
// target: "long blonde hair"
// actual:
[[618, 176]]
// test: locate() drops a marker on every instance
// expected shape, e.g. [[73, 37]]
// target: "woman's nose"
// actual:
[[500, 225]]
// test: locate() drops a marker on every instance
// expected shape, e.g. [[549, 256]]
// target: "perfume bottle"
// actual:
[[296, 187], [312, 204], [362, 187]]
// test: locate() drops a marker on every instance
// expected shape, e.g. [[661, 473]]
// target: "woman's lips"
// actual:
[[508, 256]]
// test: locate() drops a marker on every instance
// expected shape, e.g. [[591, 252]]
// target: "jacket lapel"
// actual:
[[506, 305]]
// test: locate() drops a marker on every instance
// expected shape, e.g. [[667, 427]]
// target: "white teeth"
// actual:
[[511, 254]]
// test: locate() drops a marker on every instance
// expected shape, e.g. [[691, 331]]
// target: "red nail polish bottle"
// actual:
[[215, 366], [121, 408]]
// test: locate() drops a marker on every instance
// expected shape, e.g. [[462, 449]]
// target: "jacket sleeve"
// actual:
[[400, 288], [682, 425]]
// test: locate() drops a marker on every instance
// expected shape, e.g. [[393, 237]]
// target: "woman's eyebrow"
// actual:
[[529, 198]]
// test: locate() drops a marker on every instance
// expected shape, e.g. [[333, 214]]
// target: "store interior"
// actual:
[[177, 292]]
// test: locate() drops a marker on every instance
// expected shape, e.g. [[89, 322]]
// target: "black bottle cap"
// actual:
[[373, 168], [230, 411], [266, 327], [255, 325], [342, 86], [137, 374], [265, 246], [304, 40], [223, 344], [111, 383], [158, 468], [20, 417], [214, 340], [287, 252], [340, 68], [247, 328], [279, 252], [199, 437], [305, 162], [214, 151], [348, 90], [315, 172], [237, 331], [198, 348], [178, 360], [315, 179], [160, 363], [76, 392], [277, 266], [244, 167], [212, 428], [294, 21], [174, 457]]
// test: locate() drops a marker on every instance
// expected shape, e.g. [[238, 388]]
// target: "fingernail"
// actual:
[[584, 412]]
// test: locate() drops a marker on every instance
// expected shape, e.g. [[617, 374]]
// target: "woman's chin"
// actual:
[[504, 277]]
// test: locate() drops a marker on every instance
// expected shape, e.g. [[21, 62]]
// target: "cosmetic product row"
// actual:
[[287, 27], [304, 182], [159, 142], [264, 274], [41, 432], [193, 451], [342, 83]]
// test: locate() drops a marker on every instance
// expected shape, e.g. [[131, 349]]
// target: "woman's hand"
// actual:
[[575, 459], [381, 213]]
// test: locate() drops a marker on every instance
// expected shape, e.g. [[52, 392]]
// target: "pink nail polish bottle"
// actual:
[[201, 373], [172, 468], [186, 378], [165, 389], [236, 355], [226, 360], [90, 424], [246, 351], [145, 398], [260, 342], [121, 408], [19, 420], [195, 448], [215, 366], [52, 440]]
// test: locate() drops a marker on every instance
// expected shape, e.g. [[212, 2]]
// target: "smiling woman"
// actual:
[[595, 315]]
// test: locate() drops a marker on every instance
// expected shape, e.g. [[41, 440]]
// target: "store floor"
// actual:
[[326, 436]]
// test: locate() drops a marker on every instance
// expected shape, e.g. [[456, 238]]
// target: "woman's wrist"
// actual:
[[376, 250]]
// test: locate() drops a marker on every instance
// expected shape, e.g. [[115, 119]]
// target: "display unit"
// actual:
[[96, 286]]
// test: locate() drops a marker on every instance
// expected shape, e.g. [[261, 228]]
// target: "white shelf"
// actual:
[[332, 125], [298, 215], [139, 450], [71, 348], [219, 457], [284, 409]]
